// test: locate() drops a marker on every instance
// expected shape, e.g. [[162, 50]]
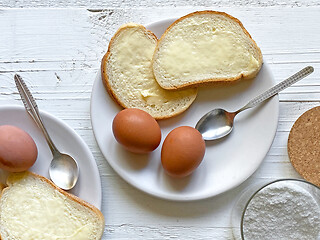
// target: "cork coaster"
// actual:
[[304, 145]]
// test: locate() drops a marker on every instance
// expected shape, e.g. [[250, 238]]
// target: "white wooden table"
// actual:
[[57, 47]]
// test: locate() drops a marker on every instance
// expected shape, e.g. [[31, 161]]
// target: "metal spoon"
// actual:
[[219, 123], [63, 170]]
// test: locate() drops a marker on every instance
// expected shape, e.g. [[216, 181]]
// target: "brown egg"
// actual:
[[182, 151], [18, 151], [136, 130]]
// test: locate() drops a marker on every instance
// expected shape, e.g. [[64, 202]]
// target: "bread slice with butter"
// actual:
[[205, 47], [2, 186], [128, 77], [32, 207]]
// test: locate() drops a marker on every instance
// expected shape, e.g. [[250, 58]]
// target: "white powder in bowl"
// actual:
[[282, 211]]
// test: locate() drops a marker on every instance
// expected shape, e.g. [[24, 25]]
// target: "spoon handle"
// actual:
[[32, 108], [278, 88]]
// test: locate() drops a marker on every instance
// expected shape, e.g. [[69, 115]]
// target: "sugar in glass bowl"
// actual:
[[281, 209]]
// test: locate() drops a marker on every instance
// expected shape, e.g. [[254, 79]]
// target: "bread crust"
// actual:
[[104, 75], [2, 186], [68, 195], [210, 80]]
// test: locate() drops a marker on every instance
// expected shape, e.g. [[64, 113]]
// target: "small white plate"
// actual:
[[227, 163], [66, 140]]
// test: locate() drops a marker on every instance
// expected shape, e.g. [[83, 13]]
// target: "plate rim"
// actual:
[[86, 148]]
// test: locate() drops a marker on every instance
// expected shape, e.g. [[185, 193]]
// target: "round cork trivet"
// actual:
[[304, 145]]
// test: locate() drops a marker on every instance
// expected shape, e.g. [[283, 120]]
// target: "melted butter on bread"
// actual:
[[31, 208], [127, 75], [47, 212], [219, 52], [205, 47]]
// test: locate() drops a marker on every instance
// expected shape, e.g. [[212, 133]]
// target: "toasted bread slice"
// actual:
[[205, 47], [128, 77], [32, 207]]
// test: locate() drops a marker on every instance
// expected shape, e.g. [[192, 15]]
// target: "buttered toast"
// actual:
[[205, 47], [33, 208], [127, 75]]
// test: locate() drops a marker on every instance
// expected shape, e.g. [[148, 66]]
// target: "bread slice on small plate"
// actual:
[[2, 186], [205, 47], [128, 77], [32, 207]]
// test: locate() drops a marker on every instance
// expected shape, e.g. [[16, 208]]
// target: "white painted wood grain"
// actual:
[[58, 52], [155, 4]]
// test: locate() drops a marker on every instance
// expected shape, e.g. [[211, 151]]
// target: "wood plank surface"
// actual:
[[155, 4]]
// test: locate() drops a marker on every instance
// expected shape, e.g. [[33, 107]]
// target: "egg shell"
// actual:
[[136, 130], [18, 151], [182, 151]]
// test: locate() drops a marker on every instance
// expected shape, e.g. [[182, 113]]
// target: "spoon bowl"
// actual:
[[218, 122], [64, 171], [215, 124]]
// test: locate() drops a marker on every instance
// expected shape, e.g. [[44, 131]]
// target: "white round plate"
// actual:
[[67, 141], [227, 162]]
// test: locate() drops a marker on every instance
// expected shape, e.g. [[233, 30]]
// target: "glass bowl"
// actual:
[[280, 209]]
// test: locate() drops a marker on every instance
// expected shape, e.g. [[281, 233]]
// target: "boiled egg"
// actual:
[[136, 130], [182, 151], [18, 151]]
